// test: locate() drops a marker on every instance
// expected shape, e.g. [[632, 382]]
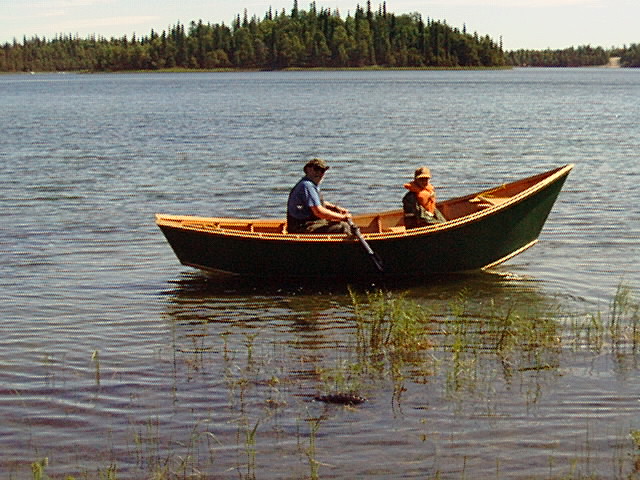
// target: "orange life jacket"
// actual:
[[426, 196]]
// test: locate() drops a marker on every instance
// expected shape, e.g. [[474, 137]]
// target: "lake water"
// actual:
[[113, 355]]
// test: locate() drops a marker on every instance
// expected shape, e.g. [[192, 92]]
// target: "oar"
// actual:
[[374, 256]]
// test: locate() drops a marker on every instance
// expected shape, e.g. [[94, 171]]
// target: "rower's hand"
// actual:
[[339, 209]]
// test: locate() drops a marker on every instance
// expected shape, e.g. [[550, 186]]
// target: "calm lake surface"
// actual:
[[114, 356]]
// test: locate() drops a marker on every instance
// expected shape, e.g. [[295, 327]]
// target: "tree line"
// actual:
[[569, 57], [279, 40], [583, 56], [629, 56], [296, 39]]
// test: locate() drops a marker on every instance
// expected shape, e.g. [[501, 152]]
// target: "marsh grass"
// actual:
[[345, 376], [624, 318], [95, 358], [147, 447], [160, 458], [617, 330], [396, 337], [314, 464], [250, 434], [464, 345], [38, 468], [390, 332], [461, 339], [476, 338]]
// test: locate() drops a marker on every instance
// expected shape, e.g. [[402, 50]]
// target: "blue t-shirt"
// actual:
[[303, 196]]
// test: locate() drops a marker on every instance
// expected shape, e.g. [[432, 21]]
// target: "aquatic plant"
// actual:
[[395, 337], [95, 358], [109, 473], [624, 318], [250, 339], [314, 426], [345, 377], [250, 449], [37, 468], [618, 329], [390, 331], [585, 331]]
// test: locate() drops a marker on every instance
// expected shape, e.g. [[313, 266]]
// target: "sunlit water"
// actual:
[[112, 353]]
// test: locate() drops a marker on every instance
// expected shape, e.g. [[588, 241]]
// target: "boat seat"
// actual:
[[240, 226], [374, 226], [486, 202], [255, 227], [274, 228]]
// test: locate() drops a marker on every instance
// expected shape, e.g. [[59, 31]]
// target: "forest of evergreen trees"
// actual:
[[629, 57], [570, 57], [299, 38]]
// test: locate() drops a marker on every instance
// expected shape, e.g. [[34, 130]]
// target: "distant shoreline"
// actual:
[[250, 70], [614, 62]]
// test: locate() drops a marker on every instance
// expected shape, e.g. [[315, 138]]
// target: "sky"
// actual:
[[528, 24]]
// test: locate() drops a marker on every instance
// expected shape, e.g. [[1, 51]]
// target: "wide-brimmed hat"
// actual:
[[317, 163], [422, 172]]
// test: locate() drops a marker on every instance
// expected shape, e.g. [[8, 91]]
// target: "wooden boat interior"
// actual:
[[380, 222]]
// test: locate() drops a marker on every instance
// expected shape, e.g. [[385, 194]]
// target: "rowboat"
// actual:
[[482, 230]]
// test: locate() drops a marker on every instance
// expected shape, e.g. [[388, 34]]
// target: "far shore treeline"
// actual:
[[295, 39]]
